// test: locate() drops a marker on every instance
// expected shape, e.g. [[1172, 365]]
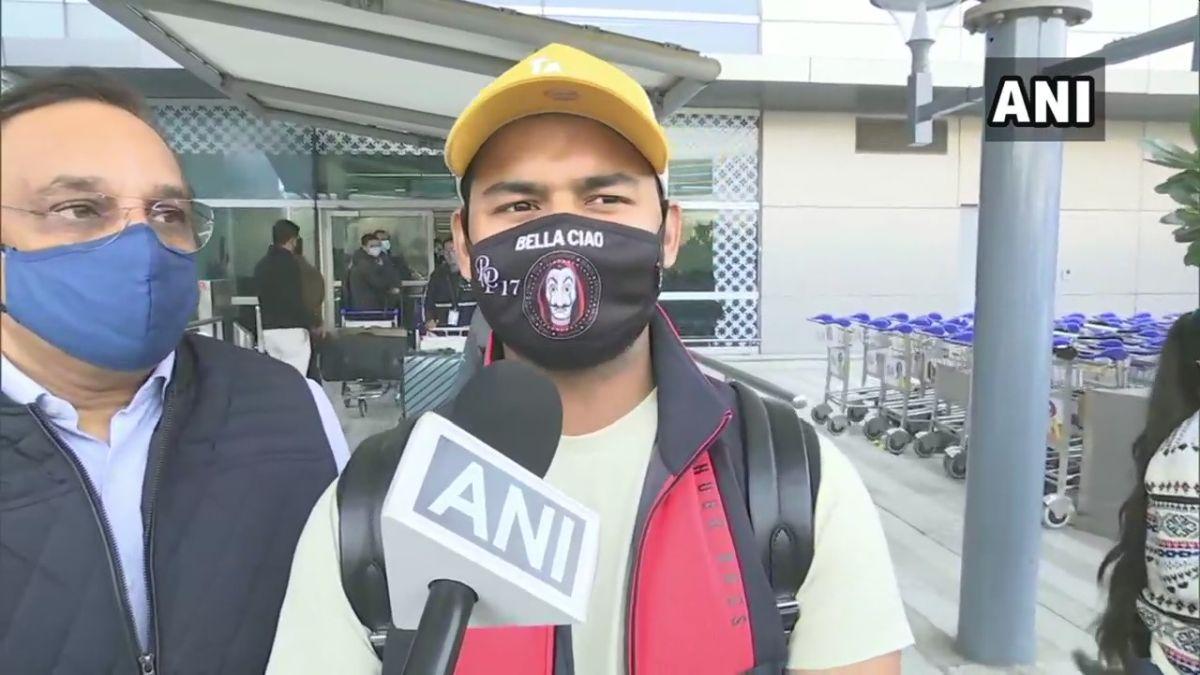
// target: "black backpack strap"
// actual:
[[360, 493], [783, 476]]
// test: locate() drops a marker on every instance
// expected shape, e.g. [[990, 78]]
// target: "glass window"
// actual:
[[693, 269], [240, 239], [690, 178], [347, 176], [229, 154], [696, 320]]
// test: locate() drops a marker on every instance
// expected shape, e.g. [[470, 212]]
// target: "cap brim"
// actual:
[[554, 95]]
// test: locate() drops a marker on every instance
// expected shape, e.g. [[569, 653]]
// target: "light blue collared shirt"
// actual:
[[117, 469]]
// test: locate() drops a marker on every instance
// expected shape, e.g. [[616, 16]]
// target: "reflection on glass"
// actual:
[[693, 271], [397, 176], [240, 239]]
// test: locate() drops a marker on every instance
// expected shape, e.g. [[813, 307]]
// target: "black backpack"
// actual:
[[783, 476]]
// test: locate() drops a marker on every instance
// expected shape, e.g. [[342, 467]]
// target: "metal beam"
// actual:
[[414, 121], [536, 31], [171, 45], [674, 98], [1118, 51], [1172, 35], [332, 34]]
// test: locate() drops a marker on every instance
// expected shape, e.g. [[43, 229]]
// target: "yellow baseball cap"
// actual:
[[559, 79]]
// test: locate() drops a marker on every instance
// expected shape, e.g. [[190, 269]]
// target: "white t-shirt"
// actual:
[[851, 605]]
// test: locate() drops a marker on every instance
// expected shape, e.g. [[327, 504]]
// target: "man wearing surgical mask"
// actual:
[[564, 233], [152, 483]]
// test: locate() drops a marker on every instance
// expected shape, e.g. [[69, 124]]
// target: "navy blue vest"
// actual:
[[236, 463]]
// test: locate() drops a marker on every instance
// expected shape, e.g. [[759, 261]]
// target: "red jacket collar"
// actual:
[[690, 411]]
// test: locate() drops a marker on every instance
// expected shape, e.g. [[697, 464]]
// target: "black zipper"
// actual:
[[632, 572], [117, 575], [164, 435]]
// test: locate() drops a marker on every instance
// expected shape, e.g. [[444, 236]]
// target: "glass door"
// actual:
[[410, 231]]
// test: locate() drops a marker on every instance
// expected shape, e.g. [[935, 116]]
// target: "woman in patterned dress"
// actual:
[[1152, 622]]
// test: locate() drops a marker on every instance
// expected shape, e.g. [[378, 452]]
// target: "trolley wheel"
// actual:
[[955, 462], [927, 443], [821, 412], [1057, 511], [856, 413], [874, 427], [362, 407], [837, 424], [895, 440]]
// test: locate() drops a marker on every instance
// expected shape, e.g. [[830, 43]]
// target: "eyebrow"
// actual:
[[532, 189], [97, 184], [604, 181], [172, 191], [80, 183], [517, 187]]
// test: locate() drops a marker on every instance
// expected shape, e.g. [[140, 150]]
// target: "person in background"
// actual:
[[439, 255], [287, 321], [312, 292], [399, 268], [1151, 624], [448, 294], [153, 482], [373, 286]]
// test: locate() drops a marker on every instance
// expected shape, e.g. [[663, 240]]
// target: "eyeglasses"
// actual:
[[182, 224]]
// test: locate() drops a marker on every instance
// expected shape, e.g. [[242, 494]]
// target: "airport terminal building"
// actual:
[[799, 190]]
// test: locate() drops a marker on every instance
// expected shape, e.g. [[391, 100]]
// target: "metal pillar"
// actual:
[[1014, 305]]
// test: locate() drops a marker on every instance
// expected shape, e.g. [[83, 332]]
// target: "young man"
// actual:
[[399, 266], [565, 233], [152, 484], [448, 299], [373, 286], [287, 322]]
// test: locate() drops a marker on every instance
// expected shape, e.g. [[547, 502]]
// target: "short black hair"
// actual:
[[379, 232], [366, 239], [73, 84], [284, 231]]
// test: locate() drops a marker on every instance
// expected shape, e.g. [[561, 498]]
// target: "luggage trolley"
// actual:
[[358, 391], [948, 412], [1064, 455], [955, 369], [892, 366], [839, 337]]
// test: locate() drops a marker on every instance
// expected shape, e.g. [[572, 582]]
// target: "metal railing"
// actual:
[[753, 381]]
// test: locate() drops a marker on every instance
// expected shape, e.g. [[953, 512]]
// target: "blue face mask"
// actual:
[[121, 304]]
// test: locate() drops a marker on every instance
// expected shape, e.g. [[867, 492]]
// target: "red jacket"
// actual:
[[698, 598]]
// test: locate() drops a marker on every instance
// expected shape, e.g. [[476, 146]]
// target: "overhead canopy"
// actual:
[[393, 68]]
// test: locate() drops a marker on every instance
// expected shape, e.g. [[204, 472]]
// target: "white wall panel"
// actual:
[[1103, 175], [809, 160], [1097, 253], [1160, 267]]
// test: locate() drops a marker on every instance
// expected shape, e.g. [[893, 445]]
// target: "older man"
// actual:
[[152, 484]]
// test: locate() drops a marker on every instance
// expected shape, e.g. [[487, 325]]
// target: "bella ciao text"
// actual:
[[579, 238]]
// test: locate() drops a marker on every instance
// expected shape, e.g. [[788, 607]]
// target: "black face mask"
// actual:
[[568, 292]]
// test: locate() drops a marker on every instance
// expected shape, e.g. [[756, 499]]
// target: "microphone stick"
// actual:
[[446, 614]]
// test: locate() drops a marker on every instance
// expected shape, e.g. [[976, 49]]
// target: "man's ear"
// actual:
[[458, 231], [672, 234]]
